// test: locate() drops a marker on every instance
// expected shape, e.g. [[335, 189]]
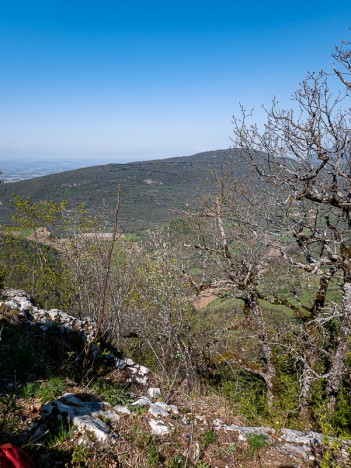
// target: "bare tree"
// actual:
[[224, 222], [302, 160]]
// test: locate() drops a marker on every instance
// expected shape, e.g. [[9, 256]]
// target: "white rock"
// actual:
[[154, 392], [73, 406], [142, 369], [120, 363], [300, 437], [121, 409], [93, 425], [142, 380], [140, 374], [299, 451], [84, 414], [172, 408], [245, 431], [157, 411], [13, 304], [142, 401], [196, 454], [159, 427], [109, 414]]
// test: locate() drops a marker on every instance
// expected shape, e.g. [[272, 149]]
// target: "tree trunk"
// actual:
[[260, 325], [307, 379], [337, 366]]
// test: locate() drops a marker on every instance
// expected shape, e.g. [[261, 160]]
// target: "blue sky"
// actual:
[[140, 80]]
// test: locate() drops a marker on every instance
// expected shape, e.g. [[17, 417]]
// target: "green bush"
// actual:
[[257, 441]]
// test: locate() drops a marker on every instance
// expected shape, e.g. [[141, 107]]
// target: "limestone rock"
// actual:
[[140, 374], [169, 408], [157, 411], [67, 324], [121, 409], [86, 415], [154, 392], [159, 427], [95, 426], [142, 401], [301, 437]]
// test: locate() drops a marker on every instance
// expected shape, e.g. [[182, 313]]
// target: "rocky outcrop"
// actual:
[[66, 324], [19, 300], [99, 420], [95, 417]]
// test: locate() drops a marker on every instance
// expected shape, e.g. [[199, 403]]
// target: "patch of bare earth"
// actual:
[[204, 301]]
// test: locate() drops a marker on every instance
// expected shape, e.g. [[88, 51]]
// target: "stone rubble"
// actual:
[[154, 392], [87, 416], [157, 411], [95, 418], [45, 319], [18, 299], [142, 401], [91, 416], [298, 444], [169, 408], [301, 437], [160, 428], [122, 409], [244, 431]]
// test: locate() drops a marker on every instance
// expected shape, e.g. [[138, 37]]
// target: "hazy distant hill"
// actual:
[[15, 170], [150, 190]]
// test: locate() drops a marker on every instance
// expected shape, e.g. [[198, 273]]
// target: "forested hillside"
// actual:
[[155, 187]]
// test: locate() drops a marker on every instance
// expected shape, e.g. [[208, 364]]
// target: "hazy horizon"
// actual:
[[118, 81], [99, 158], [15, 170]]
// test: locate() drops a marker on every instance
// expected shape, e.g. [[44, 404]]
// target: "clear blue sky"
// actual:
[[144, 79]]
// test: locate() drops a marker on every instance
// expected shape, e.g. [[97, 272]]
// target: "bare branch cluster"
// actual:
[[283, 233]]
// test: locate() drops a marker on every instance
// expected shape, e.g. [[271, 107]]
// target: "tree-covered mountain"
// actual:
[[150, 190]]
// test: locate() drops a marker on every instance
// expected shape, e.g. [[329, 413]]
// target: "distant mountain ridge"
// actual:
[[150, 190], [16, 170]]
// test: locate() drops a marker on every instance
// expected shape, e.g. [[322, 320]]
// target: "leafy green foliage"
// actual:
[[51, 389], [246, 393], [153, 459], [35, 264], [115, 395], [29, 390], [202, 464], [257, 441]]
